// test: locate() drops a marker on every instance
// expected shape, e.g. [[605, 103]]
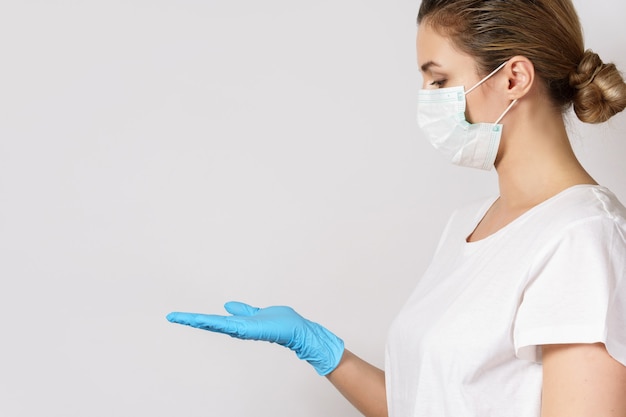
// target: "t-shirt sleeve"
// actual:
[[576, 292]]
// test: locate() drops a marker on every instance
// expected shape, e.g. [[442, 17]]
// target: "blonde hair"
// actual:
[[548, 33]]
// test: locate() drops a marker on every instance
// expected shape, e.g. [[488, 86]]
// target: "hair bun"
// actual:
[[600, 89]]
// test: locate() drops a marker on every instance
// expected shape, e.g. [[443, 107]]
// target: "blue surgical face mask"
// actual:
[[441, 115]]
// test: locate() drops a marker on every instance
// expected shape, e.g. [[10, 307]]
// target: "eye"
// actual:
[[438, 83]]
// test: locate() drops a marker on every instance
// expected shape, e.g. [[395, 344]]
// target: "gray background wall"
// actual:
[[172, 155]]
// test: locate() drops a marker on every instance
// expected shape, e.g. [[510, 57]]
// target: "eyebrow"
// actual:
[[425, 67]]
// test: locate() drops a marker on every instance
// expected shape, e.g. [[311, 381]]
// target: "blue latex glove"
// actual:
[[280, 324]]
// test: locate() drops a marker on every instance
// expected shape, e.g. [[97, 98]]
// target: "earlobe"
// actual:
[[521, 73]]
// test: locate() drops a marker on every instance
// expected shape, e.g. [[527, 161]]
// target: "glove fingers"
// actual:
[[203, 321], [240, 309], [180, 318]]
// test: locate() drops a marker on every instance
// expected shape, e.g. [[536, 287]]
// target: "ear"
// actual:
[[520, 72]]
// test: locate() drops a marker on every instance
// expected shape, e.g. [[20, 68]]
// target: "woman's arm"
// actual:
[[362, 384], [582, 380]]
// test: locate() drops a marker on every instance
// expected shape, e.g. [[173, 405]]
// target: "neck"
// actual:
[[536, 160]]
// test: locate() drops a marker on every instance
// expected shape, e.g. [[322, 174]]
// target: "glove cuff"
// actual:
[[321, 348]]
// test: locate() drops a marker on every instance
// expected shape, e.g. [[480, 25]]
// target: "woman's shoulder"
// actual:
[[582, 202], [587, 215]]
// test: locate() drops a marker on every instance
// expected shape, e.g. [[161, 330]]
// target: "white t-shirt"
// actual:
[[467, 343]]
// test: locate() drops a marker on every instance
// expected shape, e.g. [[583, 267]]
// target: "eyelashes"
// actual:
[[438, 83]]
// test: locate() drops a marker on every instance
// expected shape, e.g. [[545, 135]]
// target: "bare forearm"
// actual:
[[362, 384]]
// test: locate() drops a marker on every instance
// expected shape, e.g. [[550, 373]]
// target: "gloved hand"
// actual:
[[280, 324]]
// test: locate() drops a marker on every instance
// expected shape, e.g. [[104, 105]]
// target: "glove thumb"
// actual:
[[240, 309]]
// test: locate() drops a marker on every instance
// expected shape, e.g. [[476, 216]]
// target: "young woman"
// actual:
[[522, 312]]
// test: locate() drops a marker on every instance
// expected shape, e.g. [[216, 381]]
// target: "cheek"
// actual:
[[473, 106], [479, 109]]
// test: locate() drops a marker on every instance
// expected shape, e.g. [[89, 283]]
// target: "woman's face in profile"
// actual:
[[442, 65]]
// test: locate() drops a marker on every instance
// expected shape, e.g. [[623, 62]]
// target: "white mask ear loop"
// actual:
[[479, 83], [486, 78], [505, 111]]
